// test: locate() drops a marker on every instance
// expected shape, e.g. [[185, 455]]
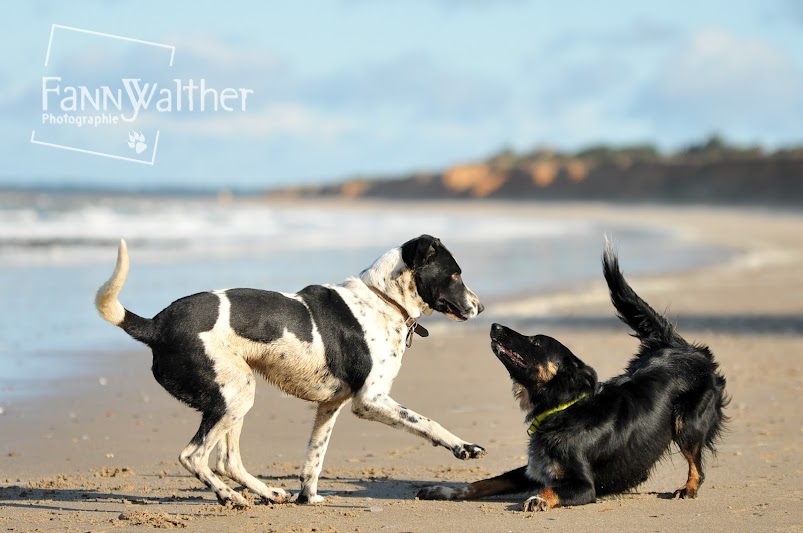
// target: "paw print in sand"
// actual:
[[136, 140]]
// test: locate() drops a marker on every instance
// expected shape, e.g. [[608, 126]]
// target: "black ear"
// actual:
[[590, 376], [420, 251]]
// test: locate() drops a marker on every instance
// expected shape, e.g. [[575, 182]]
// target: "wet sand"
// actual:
[[98, 452]]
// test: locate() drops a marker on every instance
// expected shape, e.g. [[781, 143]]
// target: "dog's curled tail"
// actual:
[[650, 326], [110, 308]]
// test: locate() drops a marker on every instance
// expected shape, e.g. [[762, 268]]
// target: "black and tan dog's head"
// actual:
[[544, 371]]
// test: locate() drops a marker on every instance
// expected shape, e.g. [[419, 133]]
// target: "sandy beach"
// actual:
[[99, 452]]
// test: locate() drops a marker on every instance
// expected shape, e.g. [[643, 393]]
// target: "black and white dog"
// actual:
[[326, 344]]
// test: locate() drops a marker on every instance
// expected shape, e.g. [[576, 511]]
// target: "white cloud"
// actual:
[[414, 84], [717, 80], [280, 119], [217, 54], [716, 61]]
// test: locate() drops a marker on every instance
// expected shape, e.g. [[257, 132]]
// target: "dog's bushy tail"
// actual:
[[110, 308], [650, 327]]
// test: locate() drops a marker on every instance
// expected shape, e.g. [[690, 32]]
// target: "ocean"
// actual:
[[56, 249]]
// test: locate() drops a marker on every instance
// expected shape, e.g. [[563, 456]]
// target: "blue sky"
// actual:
[[355, 87]]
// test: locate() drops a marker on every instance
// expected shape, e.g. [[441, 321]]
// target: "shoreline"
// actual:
[[100, 454], [498, 246]]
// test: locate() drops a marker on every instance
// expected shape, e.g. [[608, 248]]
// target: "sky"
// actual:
[[315, 92]]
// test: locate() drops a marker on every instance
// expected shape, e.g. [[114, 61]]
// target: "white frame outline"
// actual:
[[53, 28]]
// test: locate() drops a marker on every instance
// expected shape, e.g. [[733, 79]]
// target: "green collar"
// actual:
[[536, 423]]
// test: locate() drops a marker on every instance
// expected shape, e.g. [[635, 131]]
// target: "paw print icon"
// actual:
[[136, 141]]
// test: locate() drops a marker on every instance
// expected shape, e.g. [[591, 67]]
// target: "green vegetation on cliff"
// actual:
[[712, 172]]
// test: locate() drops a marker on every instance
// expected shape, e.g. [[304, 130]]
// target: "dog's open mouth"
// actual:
[[501, 350], [451, 311]]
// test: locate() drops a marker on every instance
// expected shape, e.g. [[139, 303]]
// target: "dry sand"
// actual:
[[99, 452]]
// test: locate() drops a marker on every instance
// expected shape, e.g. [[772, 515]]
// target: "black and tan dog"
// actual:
[[588, 438], [326, 344]]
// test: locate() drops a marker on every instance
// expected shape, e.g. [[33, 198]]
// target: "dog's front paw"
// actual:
[[436, 492], [468, 451], [535, 503]]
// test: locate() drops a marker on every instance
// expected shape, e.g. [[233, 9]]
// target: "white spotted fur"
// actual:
[[390, 275], [302, 374], [295, 374]]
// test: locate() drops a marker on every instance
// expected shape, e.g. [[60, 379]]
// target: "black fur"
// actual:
[[248, 318], [176, 347], [438, 277], [610, 439], [347, 355]]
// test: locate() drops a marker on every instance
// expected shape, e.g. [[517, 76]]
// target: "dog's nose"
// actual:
[[480, 307], [496, 327]]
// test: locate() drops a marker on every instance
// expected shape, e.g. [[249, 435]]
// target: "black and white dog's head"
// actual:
[[423, 276]]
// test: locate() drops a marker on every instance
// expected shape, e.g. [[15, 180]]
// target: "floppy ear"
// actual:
[[420, 251], [431, 251], [590, 376]]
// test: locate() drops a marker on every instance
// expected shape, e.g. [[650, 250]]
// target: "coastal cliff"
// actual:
[[709, 173]]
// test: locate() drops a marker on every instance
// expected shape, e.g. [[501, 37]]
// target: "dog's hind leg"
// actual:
[[689, 439], [195, 457], [230, 464], [316, 450], [695, 478], [698, 421], [222, 421]]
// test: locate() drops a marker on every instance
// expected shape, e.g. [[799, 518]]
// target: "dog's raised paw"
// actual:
[[535, 503], [435, 492], [468, 451]]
